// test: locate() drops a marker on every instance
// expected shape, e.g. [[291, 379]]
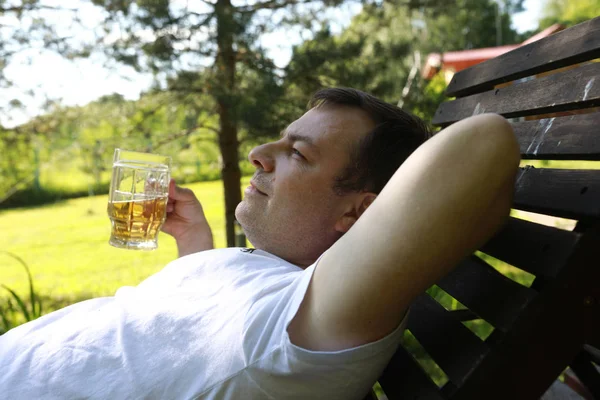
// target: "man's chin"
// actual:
[[239, 212], [245, 215]]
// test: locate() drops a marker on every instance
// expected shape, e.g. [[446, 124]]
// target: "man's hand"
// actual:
[[186, 221]]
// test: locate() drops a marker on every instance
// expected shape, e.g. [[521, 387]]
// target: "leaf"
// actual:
[[5, 321], [19, 302], [33, 298], [16, 103]]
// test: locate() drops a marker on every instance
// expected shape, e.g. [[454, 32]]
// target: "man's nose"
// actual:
[[261, 158]]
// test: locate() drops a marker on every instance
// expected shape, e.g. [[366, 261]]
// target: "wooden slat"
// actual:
[[593, 353], [571, 46], [457, 351], [563, 193], [464, 315], [487, 292], [538, 249], [403, 378], [574, 89], [525, 361], [371, 396], [575, 137]]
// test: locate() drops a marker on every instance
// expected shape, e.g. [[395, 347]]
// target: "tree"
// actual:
[[568, 12], [386, 41], [209, 57], [213, 48], [29, 28]]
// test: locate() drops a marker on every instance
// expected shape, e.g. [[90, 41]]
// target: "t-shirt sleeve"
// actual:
[[282, 368], [375, 349]]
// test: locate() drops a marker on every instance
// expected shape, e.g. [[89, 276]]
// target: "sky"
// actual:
[[527, 20], [78, 83]]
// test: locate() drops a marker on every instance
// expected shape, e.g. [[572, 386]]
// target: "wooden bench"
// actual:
[[548, 90]]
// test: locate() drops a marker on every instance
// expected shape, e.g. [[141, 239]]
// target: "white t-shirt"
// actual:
[[211, 325]]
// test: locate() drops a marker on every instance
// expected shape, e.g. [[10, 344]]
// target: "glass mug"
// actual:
[[137, 201]]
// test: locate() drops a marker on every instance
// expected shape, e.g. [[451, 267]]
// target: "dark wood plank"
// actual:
[[593, 353], [538, 249], [573, 137], [457, 351], [403, 378], [571, 46], [371, 396], [574, 89], [592, 304], [545, 338], [464, 315], [563, 193], [488, 293]]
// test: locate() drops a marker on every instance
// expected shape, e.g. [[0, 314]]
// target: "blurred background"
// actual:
[[202, 81]]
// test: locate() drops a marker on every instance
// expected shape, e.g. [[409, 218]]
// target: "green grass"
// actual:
[[72, 179], [66, 247]]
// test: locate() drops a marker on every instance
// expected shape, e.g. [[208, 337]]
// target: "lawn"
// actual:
[[66, 247]]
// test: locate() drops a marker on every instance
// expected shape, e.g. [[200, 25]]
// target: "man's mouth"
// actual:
[[253, 184]]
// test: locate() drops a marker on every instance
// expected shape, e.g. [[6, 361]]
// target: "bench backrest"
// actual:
[[549, 90]]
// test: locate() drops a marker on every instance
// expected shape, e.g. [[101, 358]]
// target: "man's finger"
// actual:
[[179, 193]]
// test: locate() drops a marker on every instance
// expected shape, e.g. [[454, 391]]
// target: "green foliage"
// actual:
[[467, 24], [16, 310], [69, 152], [568, 12], [32, 196], [375, 53], [16, 163], [383, 43], [427, 96]]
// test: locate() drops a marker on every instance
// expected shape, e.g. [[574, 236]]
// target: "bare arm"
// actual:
[[448, 198]]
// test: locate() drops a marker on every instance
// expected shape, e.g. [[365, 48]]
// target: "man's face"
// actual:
[[290, 209]]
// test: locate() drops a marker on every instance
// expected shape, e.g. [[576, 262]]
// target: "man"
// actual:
[[316, 310]]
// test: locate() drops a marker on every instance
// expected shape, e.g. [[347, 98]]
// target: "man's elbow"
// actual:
[[496, 149], [503, 158], [500, 143]]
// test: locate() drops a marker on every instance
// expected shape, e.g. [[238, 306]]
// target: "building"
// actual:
[[451, 62]]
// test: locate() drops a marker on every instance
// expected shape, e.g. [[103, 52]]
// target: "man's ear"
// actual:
[[355, 210]]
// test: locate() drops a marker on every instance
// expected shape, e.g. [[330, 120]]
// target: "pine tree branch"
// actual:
[[271, 5], [32, 7], [182, 134], [208, 3], [204, 22], [187, 89]]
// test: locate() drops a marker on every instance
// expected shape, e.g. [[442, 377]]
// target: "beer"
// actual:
[[137, 201], [138, 220]]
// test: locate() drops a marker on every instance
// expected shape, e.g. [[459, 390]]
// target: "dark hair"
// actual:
[[378, 155]]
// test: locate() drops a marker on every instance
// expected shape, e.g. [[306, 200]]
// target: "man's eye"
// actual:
[[296, 152]]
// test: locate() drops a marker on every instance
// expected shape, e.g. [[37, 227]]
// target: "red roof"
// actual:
[[459, 60], [546, 32]]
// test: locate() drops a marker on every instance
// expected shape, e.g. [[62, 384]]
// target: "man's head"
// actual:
[[315, 182]]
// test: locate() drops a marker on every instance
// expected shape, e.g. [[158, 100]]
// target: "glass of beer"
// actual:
[[137, 201]]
